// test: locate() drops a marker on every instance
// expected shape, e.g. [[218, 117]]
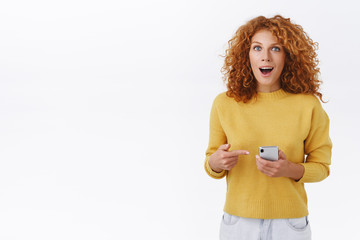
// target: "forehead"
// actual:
[[264, 36]]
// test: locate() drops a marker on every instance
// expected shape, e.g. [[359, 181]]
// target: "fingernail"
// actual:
[[247, 153]]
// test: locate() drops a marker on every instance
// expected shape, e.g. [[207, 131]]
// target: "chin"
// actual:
[[268, 84]]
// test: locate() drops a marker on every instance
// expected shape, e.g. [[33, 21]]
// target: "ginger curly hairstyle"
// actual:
[[300, 73]]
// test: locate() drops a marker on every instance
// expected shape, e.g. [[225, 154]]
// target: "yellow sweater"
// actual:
[[297, 124]]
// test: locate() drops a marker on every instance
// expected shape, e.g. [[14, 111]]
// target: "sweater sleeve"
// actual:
[[217, 137], [317, 147]]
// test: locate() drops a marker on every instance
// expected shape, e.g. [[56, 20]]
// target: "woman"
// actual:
[[272, 80]]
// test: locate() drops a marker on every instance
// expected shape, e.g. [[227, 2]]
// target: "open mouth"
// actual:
[[266, 70]]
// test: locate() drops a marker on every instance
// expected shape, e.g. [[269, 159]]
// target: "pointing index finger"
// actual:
[[238, 152]]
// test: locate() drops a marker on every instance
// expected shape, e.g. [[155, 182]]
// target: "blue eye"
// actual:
[[276, 49], [257, 48]]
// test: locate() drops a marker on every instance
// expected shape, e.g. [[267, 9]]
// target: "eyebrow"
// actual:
[[275, 43]]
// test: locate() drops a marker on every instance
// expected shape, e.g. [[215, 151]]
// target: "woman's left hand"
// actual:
[[280, 168]]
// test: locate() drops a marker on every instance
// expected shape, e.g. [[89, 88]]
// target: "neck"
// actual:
[[268, 89]]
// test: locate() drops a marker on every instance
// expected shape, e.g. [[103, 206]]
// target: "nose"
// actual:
[[265, 57]]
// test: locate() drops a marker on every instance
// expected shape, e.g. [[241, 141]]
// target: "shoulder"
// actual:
[[223, 102], [308, 101], [312, 105], [222, 98]]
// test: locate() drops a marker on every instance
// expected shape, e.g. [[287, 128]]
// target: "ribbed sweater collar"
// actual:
[[272, 95]]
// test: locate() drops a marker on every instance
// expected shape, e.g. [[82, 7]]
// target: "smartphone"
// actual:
[[269, 153]]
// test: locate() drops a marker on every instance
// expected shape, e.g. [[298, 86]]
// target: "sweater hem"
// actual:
[[262, 209]]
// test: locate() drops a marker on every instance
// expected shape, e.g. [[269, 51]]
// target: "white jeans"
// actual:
[[239, 228]]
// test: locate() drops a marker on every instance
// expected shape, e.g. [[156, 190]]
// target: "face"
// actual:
[[267, 58]]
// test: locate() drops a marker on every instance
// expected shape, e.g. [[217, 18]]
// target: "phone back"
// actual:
[[269, 152]]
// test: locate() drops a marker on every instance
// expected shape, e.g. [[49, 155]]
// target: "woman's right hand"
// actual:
[[223, 159]]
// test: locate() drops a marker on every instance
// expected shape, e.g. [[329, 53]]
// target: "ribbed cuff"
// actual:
[[212, 173], [314, 172]]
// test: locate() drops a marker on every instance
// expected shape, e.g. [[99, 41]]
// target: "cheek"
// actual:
[[252, 61], [283, 60]]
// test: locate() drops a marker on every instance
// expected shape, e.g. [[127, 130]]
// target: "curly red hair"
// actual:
[[300, 73]]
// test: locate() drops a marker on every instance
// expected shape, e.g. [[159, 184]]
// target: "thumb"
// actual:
[[282, 155], [224, 147]]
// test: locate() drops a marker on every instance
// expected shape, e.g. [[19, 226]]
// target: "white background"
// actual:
[[104, 112]]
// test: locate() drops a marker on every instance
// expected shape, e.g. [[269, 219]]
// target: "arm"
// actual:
[[217, 138], [317, 147]]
